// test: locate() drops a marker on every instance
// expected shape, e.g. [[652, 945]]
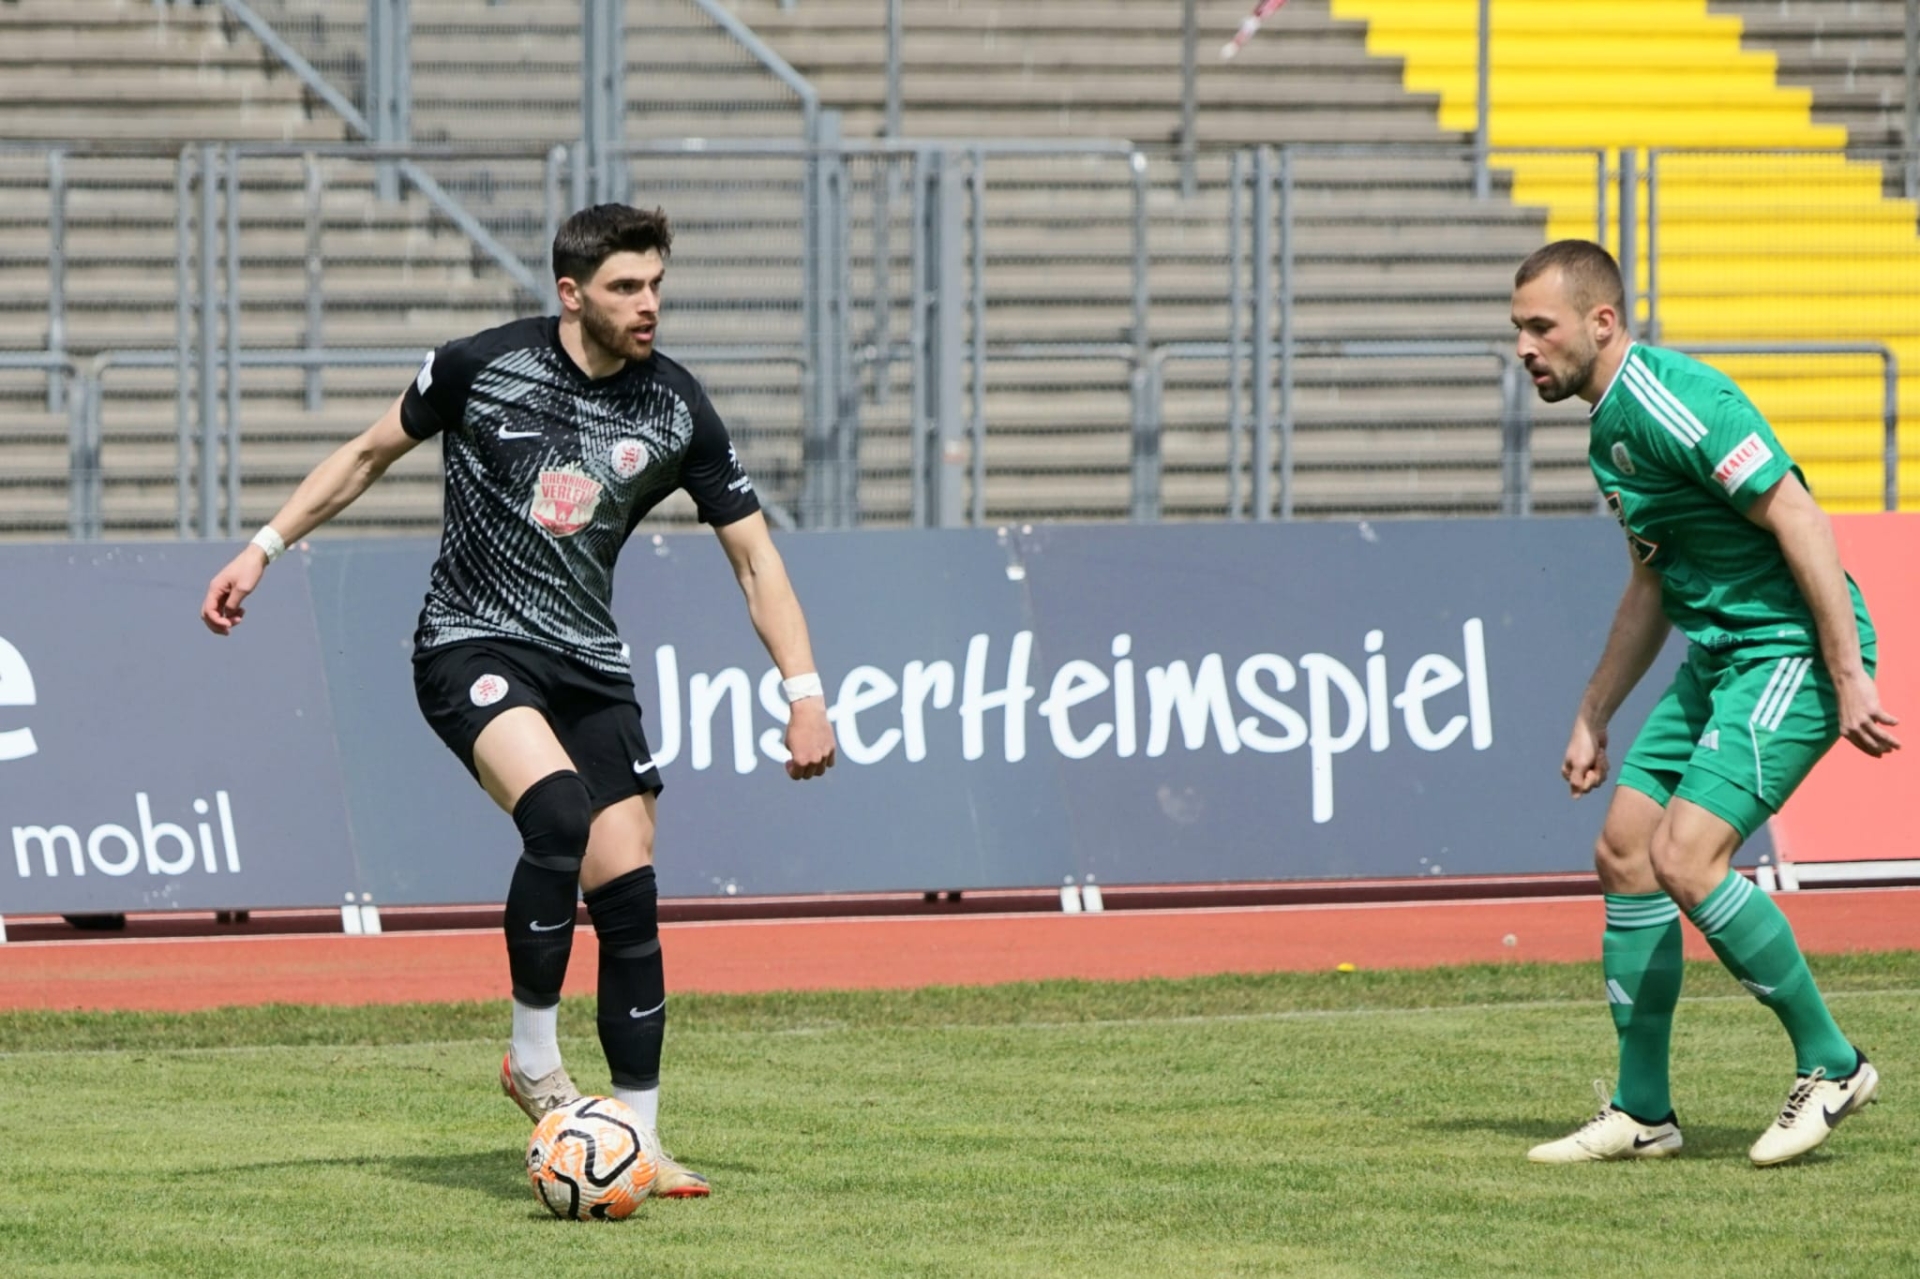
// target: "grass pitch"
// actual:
[[1340, 1125]]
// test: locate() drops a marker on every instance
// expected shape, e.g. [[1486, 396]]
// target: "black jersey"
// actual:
[[548, 471]]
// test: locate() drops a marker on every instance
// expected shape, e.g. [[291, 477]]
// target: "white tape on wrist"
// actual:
[[270, 543], [803, 686]]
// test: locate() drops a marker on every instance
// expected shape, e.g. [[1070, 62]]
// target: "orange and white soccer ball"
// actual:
[[590, 1160]]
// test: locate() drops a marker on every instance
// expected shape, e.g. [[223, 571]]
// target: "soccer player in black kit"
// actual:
[[559, 435]]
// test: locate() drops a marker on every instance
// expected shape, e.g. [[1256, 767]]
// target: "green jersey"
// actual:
[[1680, 453]]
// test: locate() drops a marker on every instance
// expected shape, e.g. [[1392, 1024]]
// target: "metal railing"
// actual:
[[838, 333], [208, 448], [83, 437], [1515, 460]]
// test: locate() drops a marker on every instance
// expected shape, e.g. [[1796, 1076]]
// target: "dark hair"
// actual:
[[1591, 275], [595, 234]]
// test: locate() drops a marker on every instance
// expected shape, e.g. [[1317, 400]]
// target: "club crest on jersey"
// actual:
[[488, 689], [1622, 460], [629, 458], [564, 500]]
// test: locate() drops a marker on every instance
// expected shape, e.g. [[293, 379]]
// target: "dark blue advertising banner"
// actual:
[[146, 764], [1168, 704], [1161, 704]]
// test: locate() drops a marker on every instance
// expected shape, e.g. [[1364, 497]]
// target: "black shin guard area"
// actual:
[[633, 984], [553, 816]]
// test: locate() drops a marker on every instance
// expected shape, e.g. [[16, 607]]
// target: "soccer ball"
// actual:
[[591, 1160]]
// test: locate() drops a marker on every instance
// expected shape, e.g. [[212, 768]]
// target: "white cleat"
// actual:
[[1611, 1134], [536, 1096], [674, 1180], [1814, 1109]]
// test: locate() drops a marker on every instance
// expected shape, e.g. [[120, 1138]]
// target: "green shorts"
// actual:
[[1736, 735]]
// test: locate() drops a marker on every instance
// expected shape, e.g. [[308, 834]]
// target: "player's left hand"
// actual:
[[809, 739], [1861, 715]]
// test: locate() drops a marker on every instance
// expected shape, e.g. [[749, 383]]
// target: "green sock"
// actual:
[[1640, 955], [1755, 941]]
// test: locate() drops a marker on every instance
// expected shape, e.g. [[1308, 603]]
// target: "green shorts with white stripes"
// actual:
[[1736, 735]]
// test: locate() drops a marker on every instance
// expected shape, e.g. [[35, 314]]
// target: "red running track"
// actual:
[[180, 974]]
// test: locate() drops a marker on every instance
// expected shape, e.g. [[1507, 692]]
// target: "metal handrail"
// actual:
[[1516, 480], [1890, 396], [763, 53], [452, 209]]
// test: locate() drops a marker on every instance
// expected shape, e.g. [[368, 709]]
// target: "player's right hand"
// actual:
[[1585, 764], [221, 611]]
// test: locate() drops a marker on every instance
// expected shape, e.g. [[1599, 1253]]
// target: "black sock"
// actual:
[[553, 816], [633, 983]]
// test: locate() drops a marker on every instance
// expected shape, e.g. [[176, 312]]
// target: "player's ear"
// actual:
[[1605, 320], [569, 291]]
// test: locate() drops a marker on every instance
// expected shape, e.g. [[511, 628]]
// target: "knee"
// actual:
[[1615, 858], [1669, 858], [555, 816]]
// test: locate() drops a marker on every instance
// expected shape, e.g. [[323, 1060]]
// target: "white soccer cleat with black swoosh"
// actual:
[[1611, 1134], [1814, 1109]]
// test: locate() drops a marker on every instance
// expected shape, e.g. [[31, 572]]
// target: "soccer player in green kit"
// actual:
[[1727, 544]]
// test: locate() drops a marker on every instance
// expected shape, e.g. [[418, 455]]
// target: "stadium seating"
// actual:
[[1420, 438], [1752, 248], [1387, 247]]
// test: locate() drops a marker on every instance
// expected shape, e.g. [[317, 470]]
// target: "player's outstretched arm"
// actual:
[[1789, 512], [328, 489], [1639, 629], [776, 615]]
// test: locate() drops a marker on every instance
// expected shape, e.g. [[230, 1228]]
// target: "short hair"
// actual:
[[595, 234], [1591, 275]]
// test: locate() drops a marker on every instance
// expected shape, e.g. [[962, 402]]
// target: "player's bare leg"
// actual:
[[524, 768], [1692, 855], [623, 899], [1642, 964]]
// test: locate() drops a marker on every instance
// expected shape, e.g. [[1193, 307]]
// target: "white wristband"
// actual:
[[270, 543], [803, 686]]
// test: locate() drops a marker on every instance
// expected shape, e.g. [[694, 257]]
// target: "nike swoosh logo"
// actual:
[[635, 1012], [505, 434], [1641, 1143], [642, 769], [1835, 1116], [539, 927]]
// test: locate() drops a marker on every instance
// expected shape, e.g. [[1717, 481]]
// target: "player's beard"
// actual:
[[609, 334], [1582, 359]]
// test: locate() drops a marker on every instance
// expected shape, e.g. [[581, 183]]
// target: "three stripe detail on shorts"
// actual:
[[1662, 404], [1788, 674]]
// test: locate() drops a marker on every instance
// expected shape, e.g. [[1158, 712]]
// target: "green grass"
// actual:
[[1298, 1124]]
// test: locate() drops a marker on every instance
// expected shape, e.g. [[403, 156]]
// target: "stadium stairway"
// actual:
[[1753, 246]]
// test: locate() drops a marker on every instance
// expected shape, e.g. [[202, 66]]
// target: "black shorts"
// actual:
[[462, 687]]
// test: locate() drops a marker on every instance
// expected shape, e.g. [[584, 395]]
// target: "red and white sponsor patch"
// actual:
[[1738, 466], [564, 500], [488, 689], [629, 458]]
